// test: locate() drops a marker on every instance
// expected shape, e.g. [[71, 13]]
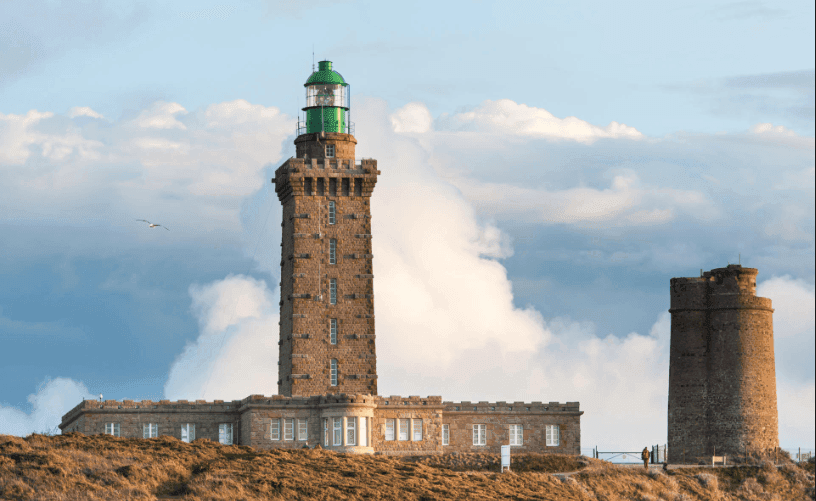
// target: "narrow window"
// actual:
[[516, 434], [333, 372], [351, 428], [288, 429], [553, 435], [332, 251], [338, 431], [358, 187], [274, 429], [445, 434], [187, 432], [333, 291], [307, 185], [332, 187], [345, 187], [404, 428], [321, 185], [479, 434], [150, 430], [333, 331], [417, 429], [225, 433], [363, 432], [329, 151], [325, 432], [389, 429], [332, 210], [303, 429], [112, 429]]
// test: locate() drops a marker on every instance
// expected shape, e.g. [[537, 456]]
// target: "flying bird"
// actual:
[[153, 225]]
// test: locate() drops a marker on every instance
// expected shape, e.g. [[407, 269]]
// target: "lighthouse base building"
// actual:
[[327, 386]]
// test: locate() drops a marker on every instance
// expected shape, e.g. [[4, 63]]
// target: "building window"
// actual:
[[363, 432], [344, 186], [274, 428], [338, 431], [358, 187], [553, 435], [307, 185], [112, 429], [351, 429], [417, 430], [225, 433], [333, 368], [150, 430], [389, 429], [332, 291], [404, 429], [288, 429], [329, 151], [333, 331], [303, 429], [516, 434], [325, 432], [332, 190], [187, 432], [479, 434], [321, 184], [333, 207], [445, 434], [332, 251]]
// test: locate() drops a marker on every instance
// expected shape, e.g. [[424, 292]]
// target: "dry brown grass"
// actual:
[[73, 467]]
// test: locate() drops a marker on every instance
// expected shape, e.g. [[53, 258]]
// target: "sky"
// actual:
[[547, 168]]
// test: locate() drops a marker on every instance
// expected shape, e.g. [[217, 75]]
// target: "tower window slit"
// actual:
[[332, 251], [333, 291], [333, 331], [332, 206]]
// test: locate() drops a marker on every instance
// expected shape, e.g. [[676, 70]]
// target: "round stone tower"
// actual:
[[722, 376]]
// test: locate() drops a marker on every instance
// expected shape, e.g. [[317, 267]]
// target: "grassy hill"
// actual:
[[74, 466]]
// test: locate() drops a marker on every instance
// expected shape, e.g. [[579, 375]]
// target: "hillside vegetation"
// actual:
[[74, 466]]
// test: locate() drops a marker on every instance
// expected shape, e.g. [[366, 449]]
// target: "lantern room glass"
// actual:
[[327, 95]]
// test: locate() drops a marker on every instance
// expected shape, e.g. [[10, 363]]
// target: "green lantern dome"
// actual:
[[327, 102]]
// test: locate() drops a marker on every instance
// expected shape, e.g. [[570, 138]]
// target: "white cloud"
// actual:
[[236, 351], [83, 111], [161, 115], [52, 400], [769, 129], [412, 118], [510, 118]]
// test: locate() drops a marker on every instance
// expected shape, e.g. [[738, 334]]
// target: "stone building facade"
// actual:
[[722, 377], [327, 369]]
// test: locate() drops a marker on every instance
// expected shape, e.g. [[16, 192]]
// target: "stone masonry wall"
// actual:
[[429, 410], [498, 416]]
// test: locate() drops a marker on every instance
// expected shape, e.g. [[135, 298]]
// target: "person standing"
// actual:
[[645, 457]]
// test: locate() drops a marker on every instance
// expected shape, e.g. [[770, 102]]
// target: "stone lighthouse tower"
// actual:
[[722, 377], [327, 341]]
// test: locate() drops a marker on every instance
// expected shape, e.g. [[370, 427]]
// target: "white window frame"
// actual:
[[150, 430], [325, 432], [332, 213], [445, 434], [516, 434], [113, 429], [362, 433], [333, 371], [225, 433], [288, 428], [330, 150], [389, 429], [479, 434], [417, 431], [303, 429], [404, 431], [332, 291], [351, 430], [332, 251], [337, 438], [188, 432], [553, 435], [333, 331], [274, 429]]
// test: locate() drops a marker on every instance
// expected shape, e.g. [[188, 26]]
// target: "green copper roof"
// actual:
[[325, 75]]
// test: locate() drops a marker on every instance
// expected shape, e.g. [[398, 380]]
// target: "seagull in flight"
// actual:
[[153, 225]]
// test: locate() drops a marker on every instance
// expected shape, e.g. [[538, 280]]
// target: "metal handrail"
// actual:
[[301, 128]]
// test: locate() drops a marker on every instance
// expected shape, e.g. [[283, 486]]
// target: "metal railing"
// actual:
[[301, 128]]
